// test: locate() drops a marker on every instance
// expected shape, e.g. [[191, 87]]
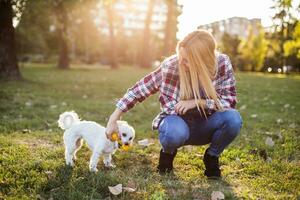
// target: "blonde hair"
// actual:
[[199, 48]]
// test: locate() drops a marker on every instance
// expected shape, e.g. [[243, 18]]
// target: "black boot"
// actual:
[[165, 164], [211, 163]]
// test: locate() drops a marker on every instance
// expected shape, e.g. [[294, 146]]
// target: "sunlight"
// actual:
[[197, 13]]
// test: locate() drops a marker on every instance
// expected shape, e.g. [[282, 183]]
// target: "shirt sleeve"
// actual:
[[225, 87], [145, 87]]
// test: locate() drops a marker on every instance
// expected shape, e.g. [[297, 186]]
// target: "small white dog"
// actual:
[[95, 137]]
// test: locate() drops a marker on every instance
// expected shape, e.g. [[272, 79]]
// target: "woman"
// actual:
[[197, 97]]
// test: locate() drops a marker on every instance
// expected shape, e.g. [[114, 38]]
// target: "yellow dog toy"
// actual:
[[115, 137]]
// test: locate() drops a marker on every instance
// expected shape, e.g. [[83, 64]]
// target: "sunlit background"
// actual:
[[257, 35], [201, 12]]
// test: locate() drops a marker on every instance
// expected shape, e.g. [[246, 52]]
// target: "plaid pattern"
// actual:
[[165, 79]]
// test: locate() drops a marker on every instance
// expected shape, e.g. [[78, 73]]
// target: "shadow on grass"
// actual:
[[176, 188]]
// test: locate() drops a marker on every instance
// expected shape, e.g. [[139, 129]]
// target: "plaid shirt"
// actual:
[[165, 79]]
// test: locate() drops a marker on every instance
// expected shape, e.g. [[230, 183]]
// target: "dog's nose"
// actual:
[[126, 143]]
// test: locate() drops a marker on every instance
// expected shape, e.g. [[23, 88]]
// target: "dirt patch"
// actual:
[[37, 143]]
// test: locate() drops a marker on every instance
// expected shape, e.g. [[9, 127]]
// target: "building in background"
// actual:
[[131, 15], [235, 26]]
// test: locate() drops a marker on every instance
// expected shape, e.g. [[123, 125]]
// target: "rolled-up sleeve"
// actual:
[[145, 87]]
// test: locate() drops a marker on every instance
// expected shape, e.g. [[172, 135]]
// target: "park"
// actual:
[[261, 163]]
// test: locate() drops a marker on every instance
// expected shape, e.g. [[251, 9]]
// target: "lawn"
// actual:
[[32, 153]]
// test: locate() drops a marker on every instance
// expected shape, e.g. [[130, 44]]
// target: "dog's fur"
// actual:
[[95, 137]]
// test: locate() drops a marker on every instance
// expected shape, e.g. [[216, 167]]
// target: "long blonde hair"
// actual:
[[199, 48]]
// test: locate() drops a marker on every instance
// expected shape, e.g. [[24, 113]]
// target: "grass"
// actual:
[[32, 153]]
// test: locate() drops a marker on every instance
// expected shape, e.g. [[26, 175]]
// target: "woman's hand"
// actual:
[[183, 106], [112, 126]]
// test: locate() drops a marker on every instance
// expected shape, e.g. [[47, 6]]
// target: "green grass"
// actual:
[[32, 153]]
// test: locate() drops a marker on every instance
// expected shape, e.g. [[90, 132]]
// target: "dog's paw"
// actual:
[[110, 166], [70, 164], [93, 170]]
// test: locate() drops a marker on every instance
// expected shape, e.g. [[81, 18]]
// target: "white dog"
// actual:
[[95, 137]]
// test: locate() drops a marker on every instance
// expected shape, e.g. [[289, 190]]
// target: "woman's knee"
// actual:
[[173, 131], [233, 121]]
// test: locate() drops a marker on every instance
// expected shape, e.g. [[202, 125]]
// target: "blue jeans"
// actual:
[[219, 130]]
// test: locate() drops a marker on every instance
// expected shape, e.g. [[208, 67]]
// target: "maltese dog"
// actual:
[[95, 137]]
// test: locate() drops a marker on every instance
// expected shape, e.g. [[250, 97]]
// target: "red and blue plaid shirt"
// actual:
[[165, 79]]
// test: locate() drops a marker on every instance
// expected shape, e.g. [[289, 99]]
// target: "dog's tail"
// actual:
[[68, 119]]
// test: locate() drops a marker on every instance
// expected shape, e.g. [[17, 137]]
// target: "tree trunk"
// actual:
[[113, 47], [168, 30], [64, 60], [8, 58], [145, 60]]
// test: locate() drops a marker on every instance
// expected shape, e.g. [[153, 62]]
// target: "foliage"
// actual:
[[254, 51], [230, 46], [293, 46]]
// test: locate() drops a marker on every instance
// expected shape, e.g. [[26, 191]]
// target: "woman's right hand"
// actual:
[[112, 126]]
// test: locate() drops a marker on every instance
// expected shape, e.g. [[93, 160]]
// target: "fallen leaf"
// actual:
[[278, 134], [84, 96], [293, 125], [28, 103], [279, 121], [269, 159], [268, 133], [145, 142], [63, 103], [53, 106], [243, 107], [269, 141], [286, 105], [217, 195], [26, 131], [129, 189], [254, 115], [48, 172], [115, 190]]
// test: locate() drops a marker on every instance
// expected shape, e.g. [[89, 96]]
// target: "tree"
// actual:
[[62, 26], [110, 17], [8, 58], [254, 51], [230, 46], [282, 20], [170, 39], [32, 33], [145, 60], [293, 46]]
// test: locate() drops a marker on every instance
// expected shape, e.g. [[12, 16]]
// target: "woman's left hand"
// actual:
[[183, 106]]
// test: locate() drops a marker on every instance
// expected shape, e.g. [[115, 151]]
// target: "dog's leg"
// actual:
[[69, 152], [78, 146], [107, 161], [94, 161]]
